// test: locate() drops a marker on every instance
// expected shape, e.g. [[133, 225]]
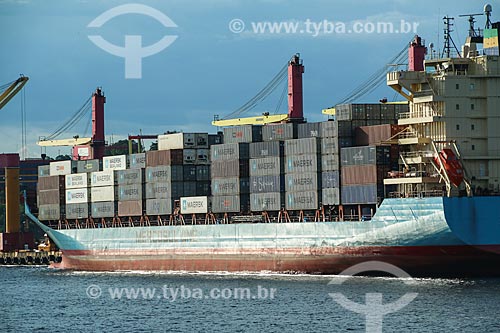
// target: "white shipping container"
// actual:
[[77, 180], [78, 195], [194, 205], [102, 178], [102, 193], [114, 162], [60, 168], [176, 141]]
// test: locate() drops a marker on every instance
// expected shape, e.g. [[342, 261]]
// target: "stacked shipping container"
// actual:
[[302, 166], [330, 183], [230, 177], [267, 181]]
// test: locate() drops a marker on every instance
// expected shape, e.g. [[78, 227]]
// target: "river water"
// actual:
[[40, 299]]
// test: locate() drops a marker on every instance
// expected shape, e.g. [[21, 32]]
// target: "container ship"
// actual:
[[414, 184]]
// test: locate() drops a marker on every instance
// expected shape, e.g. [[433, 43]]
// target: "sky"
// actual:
[[218, 60]]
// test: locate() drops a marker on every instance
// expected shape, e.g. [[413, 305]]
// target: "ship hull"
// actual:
[[425, 237], [416, 260]]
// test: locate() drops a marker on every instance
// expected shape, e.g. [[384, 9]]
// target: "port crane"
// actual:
[[293, 70], [83, 148], [11, 89]]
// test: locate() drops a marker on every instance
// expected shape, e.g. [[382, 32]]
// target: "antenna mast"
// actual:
[[447, 37]]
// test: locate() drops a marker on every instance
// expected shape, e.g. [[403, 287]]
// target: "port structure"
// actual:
[[95, 145], [293, 71], [12, 89]]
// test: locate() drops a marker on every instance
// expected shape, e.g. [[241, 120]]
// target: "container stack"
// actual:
[[77, 196], [195, 161], [267, 179], [302, 170], [330, 182], [363, 170], [230, 177], [50, 196]]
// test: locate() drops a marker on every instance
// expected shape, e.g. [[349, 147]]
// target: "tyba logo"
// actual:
[[132, 51]]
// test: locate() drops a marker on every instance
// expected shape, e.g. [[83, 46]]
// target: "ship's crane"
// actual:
[[295, 69], [95, 144], [375, 80], [11, 89]]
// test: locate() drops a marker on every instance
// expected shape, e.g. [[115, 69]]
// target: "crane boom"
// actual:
[[12, 90]]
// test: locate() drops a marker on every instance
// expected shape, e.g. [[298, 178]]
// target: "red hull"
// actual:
[[416, 260]]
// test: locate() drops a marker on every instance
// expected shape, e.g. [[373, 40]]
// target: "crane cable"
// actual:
[[261, 95], [79, 114], [374, 81]]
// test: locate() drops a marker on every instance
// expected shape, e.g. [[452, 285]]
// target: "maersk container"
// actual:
[[164, 157], [176, 141], [155, 207], [43, 170], [202, 172], [77, 211], [329, 129], [302, 146], [343, 112], [162, 173], [102, 178], [130, 176], [201, 140], [118, 162], [267, 166], [229, 168], [49, 197], [330, 196], [77, 180], [279, 132], [330, 179], [130, 192], [230, 186], [260, 202], [304, 200], [359, 174], [302, 163], [202, 156], [229, 151], [158, 190], [359, 194], [189, 188], [267, 149], [308, 130], [189, 173], [194, 205], [49, 212], [329, 146], [231, 203], [137, 161], [103, 209], [130, 208], [51, 183], [269, 183], [88, 166], [243, 133], [61, 168], [304, 181], [330, 162], [77, 195], [203, 188], [103, 193]]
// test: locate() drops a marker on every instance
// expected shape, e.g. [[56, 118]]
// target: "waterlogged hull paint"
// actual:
[[419, 235]]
